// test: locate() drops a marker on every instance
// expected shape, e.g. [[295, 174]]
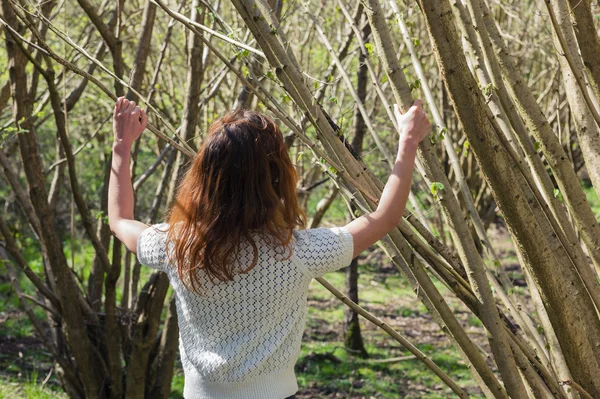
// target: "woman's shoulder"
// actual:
[[151, 248], [321, 236], [323, 249]]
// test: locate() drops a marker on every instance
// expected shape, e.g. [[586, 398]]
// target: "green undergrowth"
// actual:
[[29, 387]]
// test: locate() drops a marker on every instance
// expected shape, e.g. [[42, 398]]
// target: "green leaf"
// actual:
[[329, 78], [333, 99], [270, 75], [416, 84], [558, 194], [443, 132], [369, 48], [536, 146], [487, 90], [245, 71], [540, 329], [384, 79], [436, 187], [416, 41], [300, 155], [332, 170], [466, 146], [285, 98]]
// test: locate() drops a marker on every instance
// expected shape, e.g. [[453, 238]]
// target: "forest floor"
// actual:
[[325, 369]]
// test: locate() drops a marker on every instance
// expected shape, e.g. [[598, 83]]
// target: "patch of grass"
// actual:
[[30, 388], [327, 367], [475, 322], [17, 326]]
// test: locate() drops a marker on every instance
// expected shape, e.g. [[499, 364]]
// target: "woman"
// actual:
[[234, 250]]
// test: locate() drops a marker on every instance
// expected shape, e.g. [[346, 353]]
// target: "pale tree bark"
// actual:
[[462, 237], [588, 134], [566, 178], [485, 50], [504, 286], [245, 97], [557, 280], [588, 40], [561, 223]]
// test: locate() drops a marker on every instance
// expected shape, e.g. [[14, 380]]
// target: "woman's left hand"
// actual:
[[129, 121]]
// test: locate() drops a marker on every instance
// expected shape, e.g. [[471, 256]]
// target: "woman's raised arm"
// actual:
[[129, 121], [368, 229]]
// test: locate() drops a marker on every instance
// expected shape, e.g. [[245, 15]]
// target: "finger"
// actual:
[[136, 113], [118, 105], [397, 111], [418, 103], [124, 105], [144, 116], [131, 106], [127, 106]]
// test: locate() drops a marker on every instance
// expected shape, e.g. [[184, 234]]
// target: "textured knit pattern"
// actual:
[[248, 329]]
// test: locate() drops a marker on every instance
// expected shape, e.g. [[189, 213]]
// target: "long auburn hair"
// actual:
[[242, 182]]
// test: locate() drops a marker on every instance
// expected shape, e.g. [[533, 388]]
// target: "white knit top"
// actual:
[[240, 339]]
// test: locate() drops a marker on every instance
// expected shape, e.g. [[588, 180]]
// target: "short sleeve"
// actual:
[[152, 246], [323, 250]]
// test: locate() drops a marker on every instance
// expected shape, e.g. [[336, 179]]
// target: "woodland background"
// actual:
[[488, 288]]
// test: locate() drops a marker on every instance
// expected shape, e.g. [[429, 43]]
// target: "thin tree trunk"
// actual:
[[588, 40], [585, 125], [190, 118], [352, 334]]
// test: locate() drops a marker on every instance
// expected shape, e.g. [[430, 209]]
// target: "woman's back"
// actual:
[[241, 299], [241, 338]]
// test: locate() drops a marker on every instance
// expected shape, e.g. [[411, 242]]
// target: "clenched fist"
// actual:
[[129, 121], [413, 126]]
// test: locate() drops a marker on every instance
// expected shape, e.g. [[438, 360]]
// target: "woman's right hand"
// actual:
[[413, 126], [129, 121]]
